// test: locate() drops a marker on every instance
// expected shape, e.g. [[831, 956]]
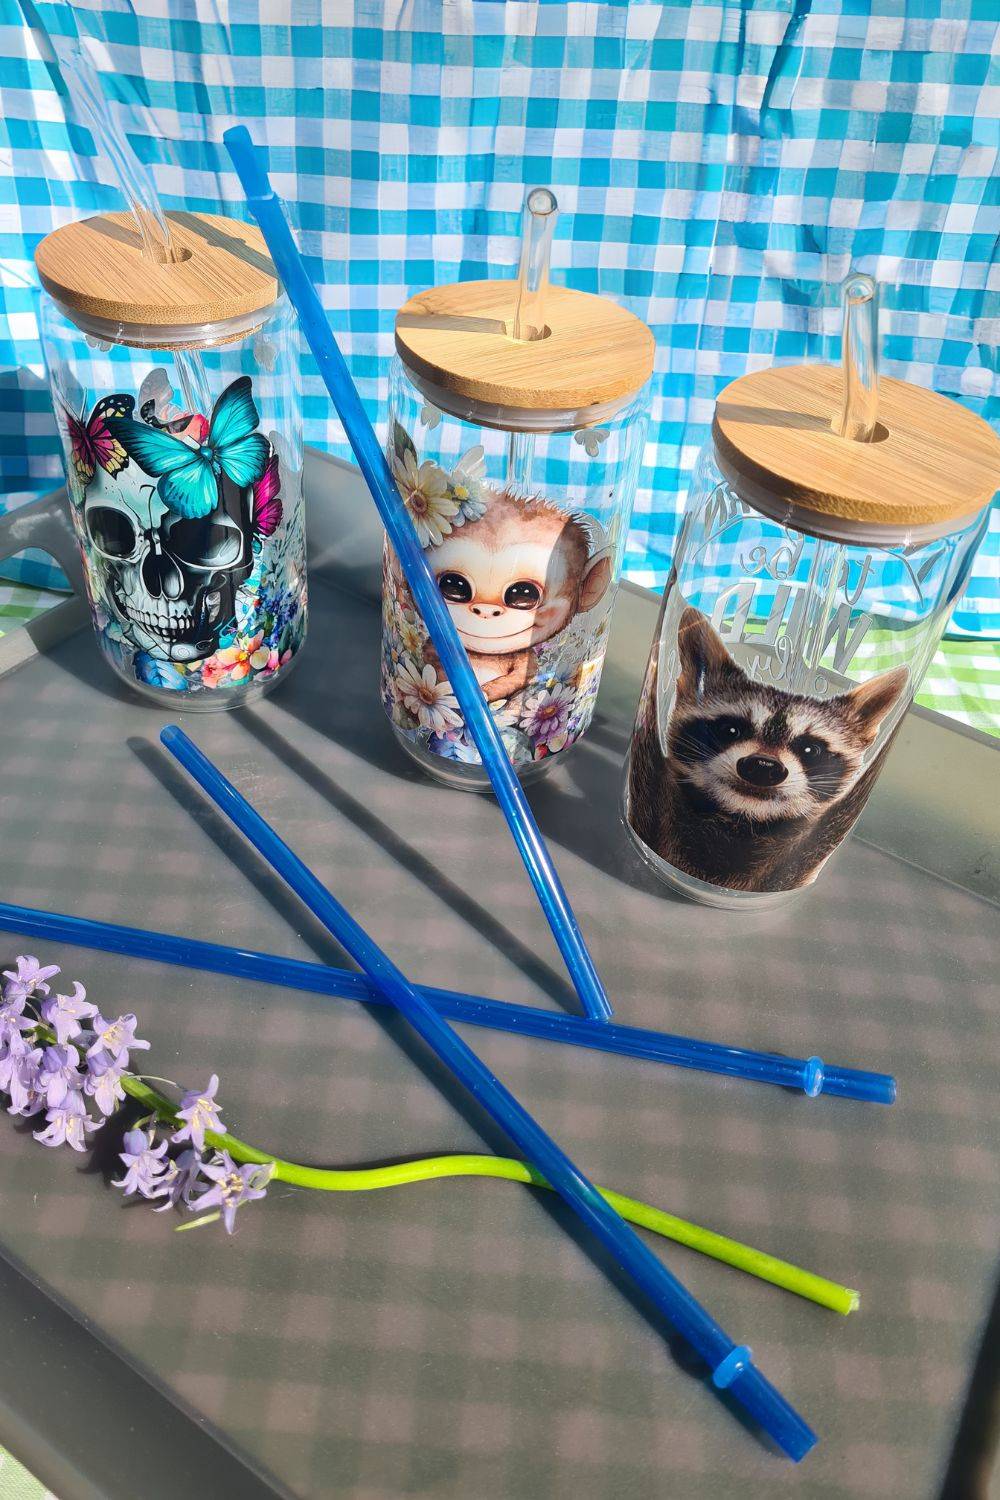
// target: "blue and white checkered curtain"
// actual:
[[720, 165]]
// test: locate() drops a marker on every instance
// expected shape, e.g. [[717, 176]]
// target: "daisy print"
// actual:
[[432, 703], [426, 495], [546, 715]]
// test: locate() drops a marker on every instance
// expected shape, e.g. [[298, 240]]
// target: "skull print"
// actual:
[[171, 579], [196, 576]]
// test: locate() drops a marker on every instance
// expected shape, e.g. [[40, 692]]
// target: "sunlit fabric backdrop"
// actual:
[[719, 165]]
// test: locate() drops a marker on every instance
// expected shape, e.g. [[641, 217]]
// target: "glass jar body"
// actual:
[[781, 666], [184, 476], [525, 533]]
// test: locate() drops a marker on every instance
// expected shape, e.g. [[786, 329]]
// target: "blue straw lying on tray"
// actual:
[[807, 1074], [267, 209], [731, 1365]]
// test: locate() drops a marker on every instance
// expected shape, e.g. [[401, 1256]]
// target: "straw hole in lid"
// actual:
[[879, 432], [544, 332], [178, 254]]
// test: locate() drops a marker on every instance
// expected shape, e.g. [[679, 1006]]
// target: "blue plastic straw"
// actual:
[[267, 209], [731, 1365], [521, 1020]]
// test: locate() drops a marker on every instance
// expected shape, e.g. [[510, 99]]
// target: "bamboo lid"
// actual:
[[931, 464], [95, 270], [456, 342]]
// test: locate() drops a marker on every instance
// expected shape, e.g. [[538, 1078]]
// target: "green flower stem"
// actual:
[[719, 1247]]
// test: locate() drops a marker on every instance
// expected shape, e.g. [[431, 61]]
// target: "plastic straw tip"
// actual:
[[869, 1088], [170, 734], [873, 1088], [768, 1407], [248, 162]]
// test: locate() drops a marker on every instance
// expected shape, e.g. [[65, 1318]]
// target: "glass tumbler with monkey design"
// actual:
[[829, 531], [516, 420]]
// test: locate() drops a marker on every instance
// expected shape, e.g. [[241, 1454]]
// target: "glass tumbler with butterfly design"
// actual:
[[517, 415], [830, 529], [175, 388]]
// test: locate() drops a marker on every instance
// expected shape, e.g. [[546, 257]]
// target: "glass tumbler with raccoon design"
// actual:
[[516, 420], [175, 390], [830, 529]]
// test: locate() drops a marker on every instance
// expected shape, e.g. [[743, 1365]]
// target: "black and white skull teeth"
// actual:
[[170, 622]]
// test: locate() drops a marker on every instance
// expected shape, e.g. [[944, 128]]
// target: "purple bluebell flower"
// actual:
[[104, 1080], [199, 1112], [144, 1164], [28, 978], [65, 1012], [25, 1097], [68, 1124], [234, 1186], [180, 1181], [14, 998], [58, 1074], [12, 1018], [116, 1037], [12, 1048]]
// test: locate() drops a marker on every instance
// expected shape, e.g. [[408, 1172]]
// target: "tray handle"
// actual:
[[45, 524]]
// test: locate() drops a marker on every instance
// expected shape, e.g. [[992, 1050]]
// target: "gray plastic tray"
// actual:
[[460, 1339]]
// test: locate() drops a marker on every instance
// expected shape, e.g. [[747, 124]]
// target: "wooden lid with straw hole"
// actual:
[[95, 268], [458, 339], [931, 462]]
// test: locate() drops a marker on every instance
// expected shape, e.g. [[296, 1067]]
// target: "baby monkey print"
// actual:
[[529, 588], [196, 575]]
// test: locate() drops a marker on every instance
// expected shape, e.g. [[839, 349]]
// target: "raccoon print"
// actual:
[[758, 786]]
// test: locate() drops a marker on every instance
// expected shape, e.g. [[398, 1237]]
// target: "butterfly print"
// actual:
[[189, 476], [190, 425], [267, 508], [94, 443]]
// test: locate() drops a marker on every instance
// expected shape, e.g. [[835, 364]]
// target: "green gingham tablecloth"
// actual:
[[19, 605], [17, 1484], [964, 683]]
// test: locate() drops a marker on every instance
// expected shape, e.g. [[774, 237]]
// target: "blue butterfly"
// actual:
[[189, 477]]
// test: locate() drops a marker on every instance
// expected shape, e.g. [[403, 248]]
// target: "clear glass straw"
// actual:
[[808, 1075], [538, 225], [134, 179], [731, 1365], [520, 458], [137, 188], [858, 419], [268, 211], [538, 222]]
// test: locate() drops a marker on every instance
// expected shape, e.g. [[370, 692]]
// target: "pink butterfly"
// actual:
[[93, 444], [267, 508]]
